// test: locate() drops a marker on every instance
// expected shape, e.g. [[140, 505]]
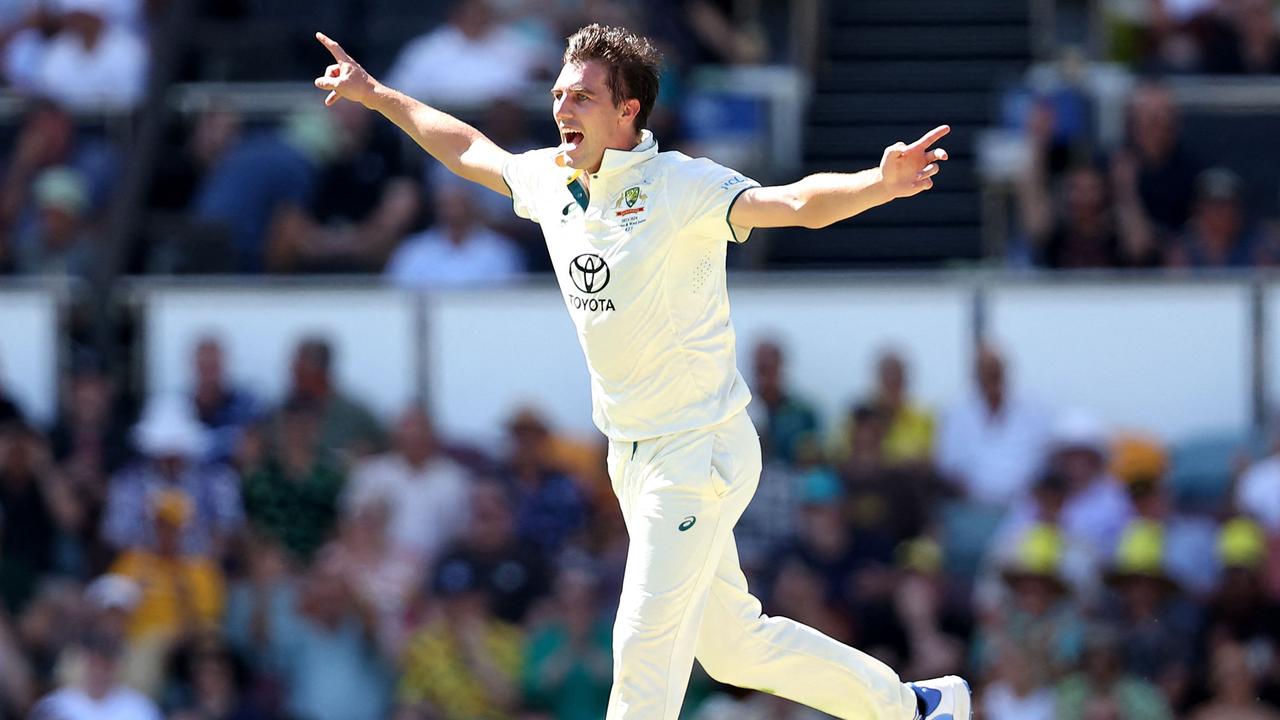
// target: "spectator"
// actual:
[[1240, 611], [1096, 508], [1189, 539], [458, 250], [250, 188], [201, 143], [550, 508], [888, 503], [512, 574], [90, 437], [99, 694], [1014, 693], [1039, 614], [854, 569], [172, 442], [908, 436], [51, 624], [1254, 40], [426, 493], [42, 516], [385, 576], [1217, 235], [1080, 563], [346, 427], [505, 122], [1235, 689], [46, 140], [324, 645], [487, 60], [933, 627], [365, 201], [710, 32], [800, 593], [91, 60], [1181, 38], [61, 242], [1258, 492], [786, 422], [291, 497], [1102, 683], [1156, 627], [993, 441], [108, 602], [182, 594], [225, 410], [211, 684], [465, 662], [1165, 169], [568, 662], [1090, 225]]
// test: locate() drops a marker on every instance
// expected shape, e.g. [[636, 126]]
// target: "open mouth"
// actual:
[[572, 138]]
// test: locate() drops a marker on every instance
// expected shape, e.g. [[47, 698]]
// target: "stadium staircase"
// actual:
[[891, 71]]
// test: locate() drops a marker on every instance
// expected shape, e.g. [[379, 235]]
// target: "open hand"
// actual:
[[344, 78], [909, 169]]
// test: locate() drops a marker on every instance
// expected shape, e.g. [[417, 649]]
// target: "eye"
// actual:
[[580, 97]]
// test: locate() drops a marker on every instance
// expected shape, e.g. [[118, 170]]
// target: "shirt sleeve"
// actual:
[[526, 174], [706, 194]]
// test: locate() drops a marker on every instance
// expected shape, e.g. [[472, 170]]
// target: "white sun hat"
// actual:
[[170, 427]]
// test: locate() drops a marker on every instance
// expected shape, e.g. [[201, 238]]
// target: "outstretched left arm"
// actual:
[[822, 199]]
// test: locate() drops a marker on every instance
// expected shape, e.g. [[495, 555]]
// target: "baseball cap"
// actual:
[[820, 487], [1219, 183], [62, 188], [113, 592]]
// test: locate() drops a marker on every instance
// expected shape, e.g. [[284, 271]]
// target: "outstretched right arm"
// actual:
[[462, 148]]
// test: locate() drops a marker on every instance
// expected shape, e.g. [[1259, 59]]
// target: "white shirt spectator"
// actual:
[[429, 259], [75, 704], [112, 74], [999, 702], [993, 458], [446, 67], [1258, 492], [429, 505]]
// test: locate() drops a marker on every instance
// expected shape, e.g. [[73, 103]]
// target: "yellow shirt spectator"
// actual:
[[173, 588], [439, 671]]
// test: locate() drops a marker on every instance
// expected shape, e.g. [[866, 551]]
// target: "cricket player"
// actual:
[[638, 240]]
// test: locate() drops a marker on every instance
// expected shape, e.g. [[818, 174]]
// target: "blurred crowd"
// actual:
[[219, 556], [1159, 196], [305, 191], [1215, 37]]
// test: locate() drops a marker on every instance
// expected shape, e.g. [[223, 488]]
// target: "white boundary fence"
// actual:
[[1176, 357]]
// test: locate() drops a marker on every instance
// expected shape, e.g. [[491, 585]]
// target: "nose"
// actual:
[[561, 109]]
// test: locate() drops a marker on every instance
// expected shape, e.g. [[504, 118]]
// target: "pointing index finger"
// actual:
[[334, 48], [931, 137]]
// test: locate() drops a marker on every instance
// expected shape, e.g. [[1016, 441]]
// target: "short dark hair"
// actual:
[[316, 350], [633, 61]]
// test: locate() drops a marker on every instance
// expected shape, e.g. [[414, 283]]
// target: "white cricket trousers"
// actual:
[[684, 594]]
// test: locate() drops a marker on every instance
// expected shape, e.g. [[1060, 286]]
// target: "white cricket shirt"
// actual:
[[642, 272]]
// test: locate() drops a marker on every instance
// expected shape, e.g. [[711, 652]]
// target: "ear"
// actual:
[[630, 109]]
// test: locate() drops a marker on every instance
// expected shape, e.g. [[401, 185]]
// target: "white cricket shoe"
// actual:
[[944, 698]]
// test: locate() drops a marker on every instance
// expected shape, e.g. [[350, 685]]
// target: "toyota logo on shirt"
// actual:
[[589, 273]]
